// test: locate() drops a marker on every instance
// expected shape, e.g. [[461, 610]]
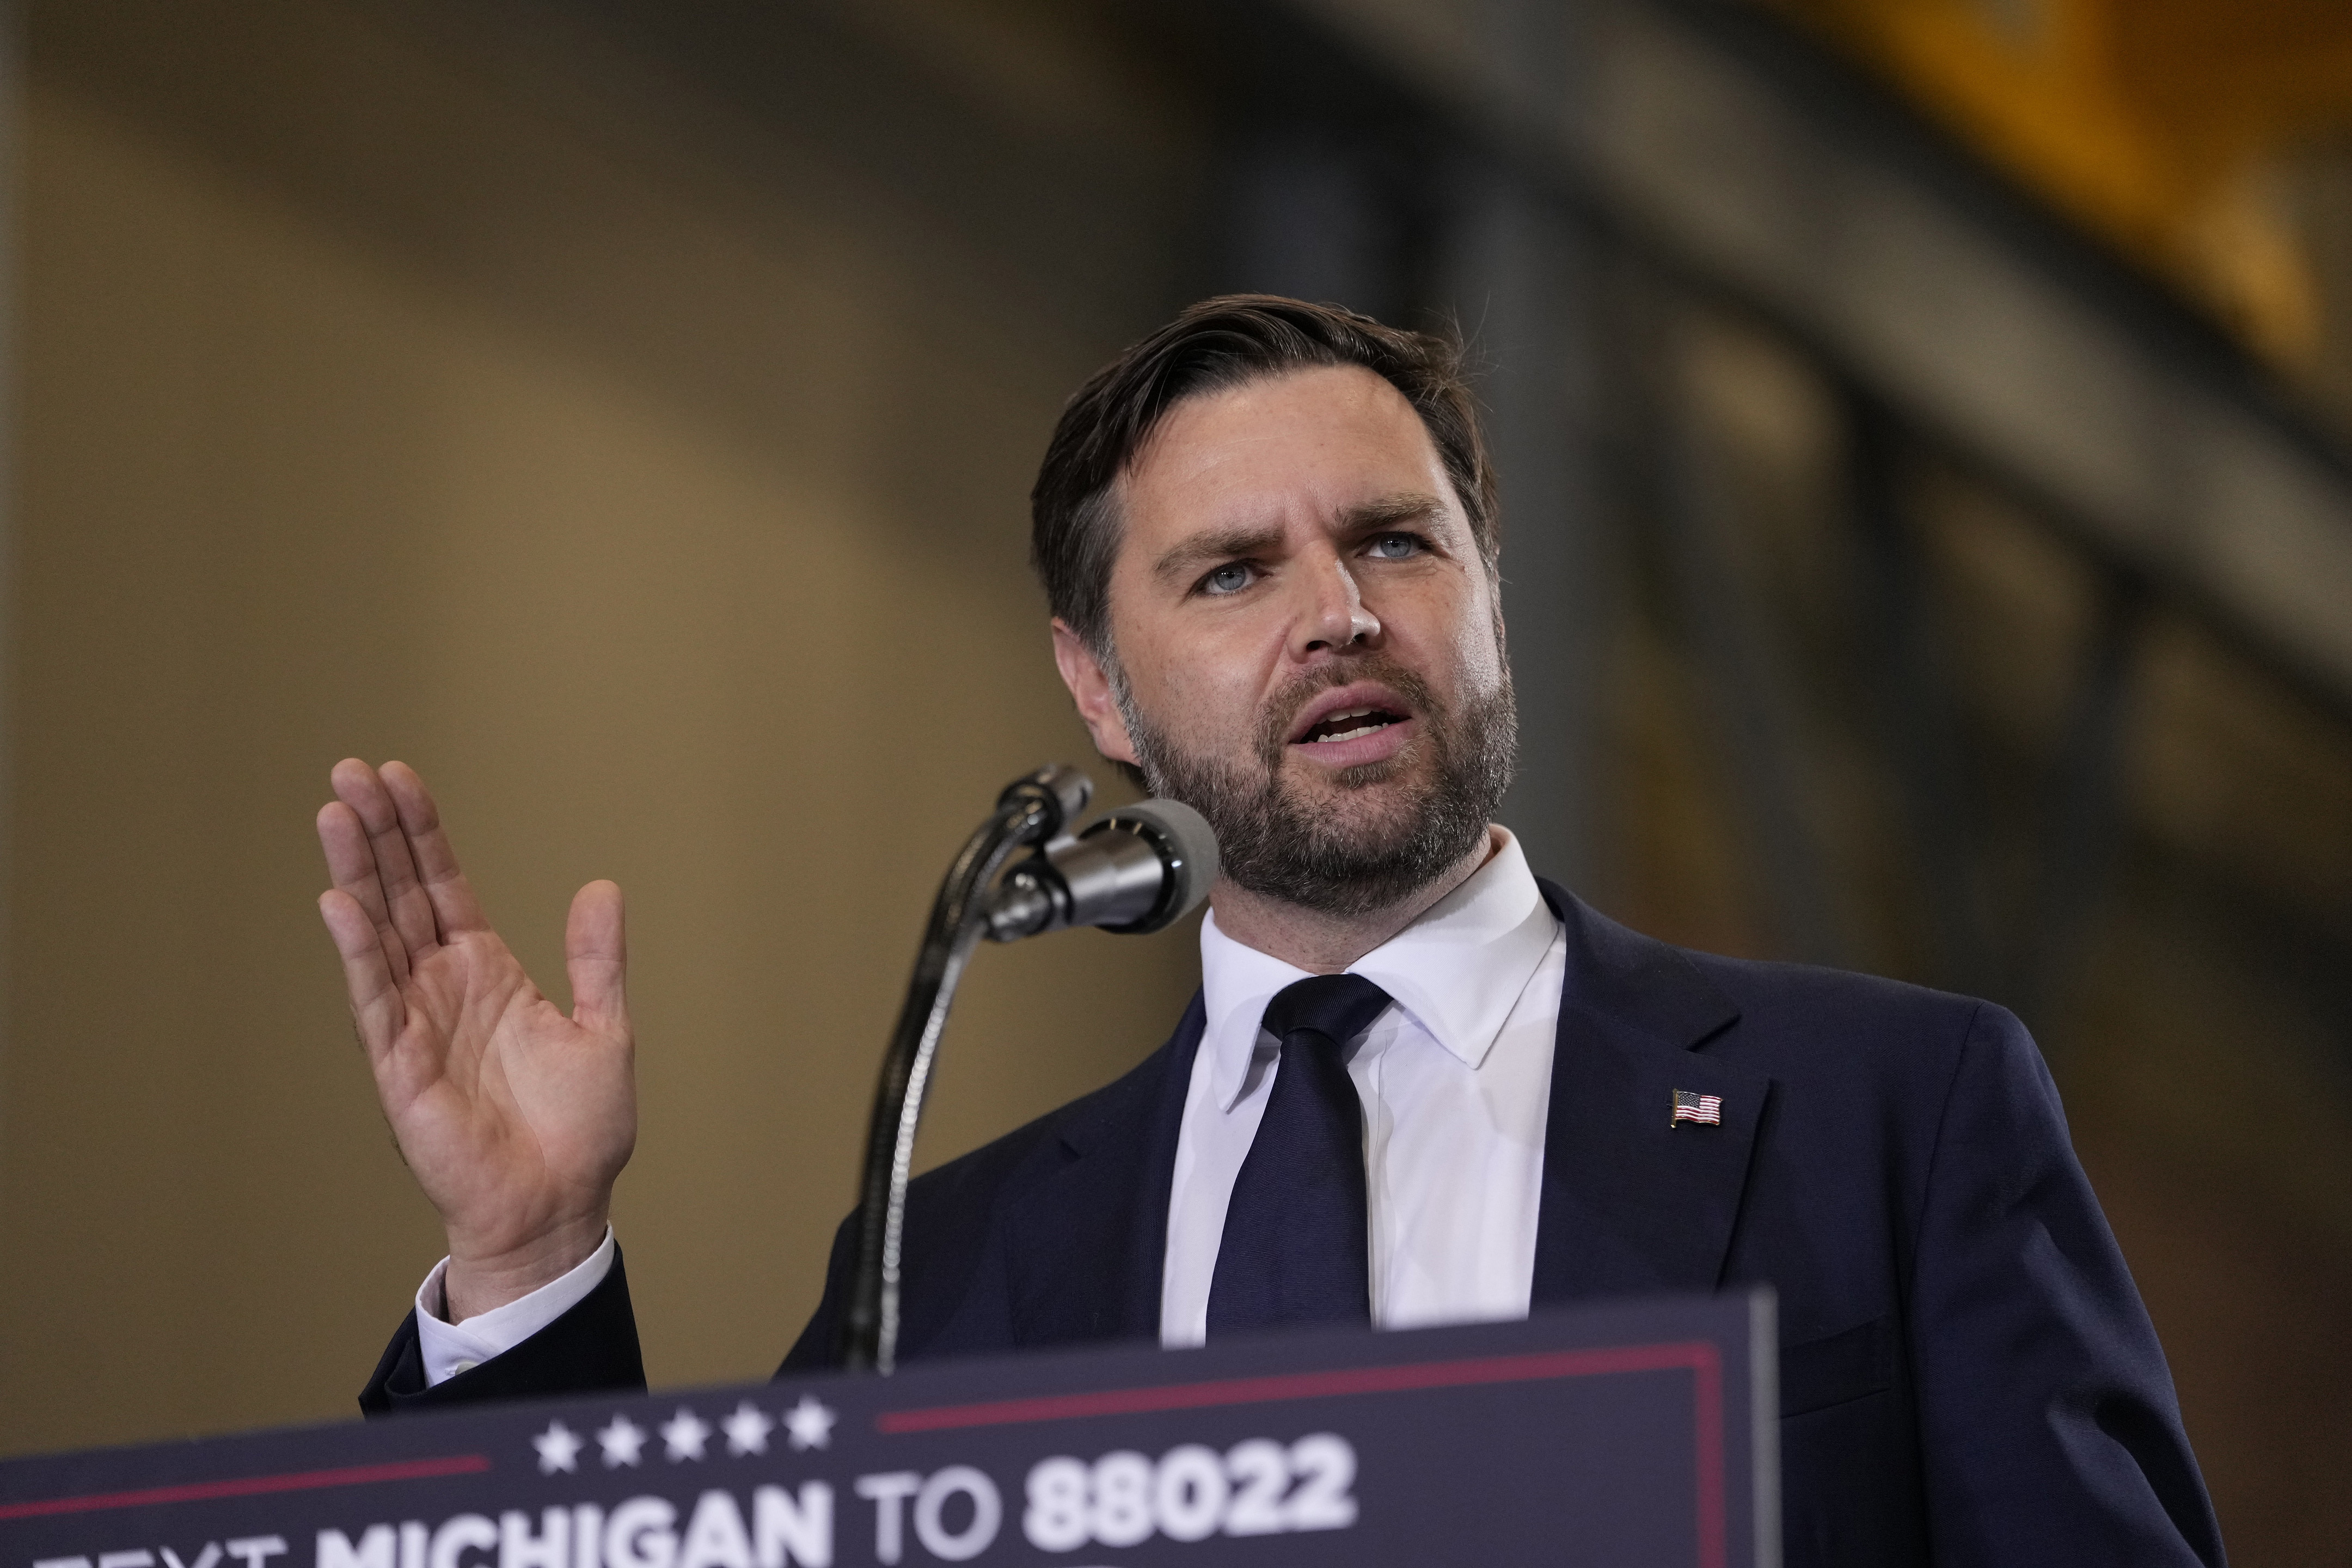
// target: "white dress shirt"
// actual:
[[448, 1349], [1455, 1082]]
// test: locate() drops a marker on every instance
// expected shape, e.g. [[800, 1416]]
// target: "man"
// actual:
[[1417, 1086]]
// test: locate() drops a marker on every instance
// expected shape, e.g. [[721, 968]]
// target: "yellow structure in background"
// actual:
[[2176, 128]]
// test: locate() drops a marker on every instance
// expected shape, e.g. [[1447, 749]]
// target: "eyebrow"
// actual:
[[1389, 511], [1217, 544], [1233, 543]]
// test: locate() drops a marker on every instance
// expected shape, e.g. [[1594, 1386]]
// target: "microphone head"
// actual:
[[1187, 848], [1059, 790]]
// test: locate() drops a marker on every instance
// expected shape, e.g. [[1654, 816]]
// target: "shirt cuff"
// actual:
[[449, 1349]]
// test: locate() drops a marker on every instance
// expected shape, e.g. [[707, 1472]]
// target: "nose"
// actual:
[[1333, 616]]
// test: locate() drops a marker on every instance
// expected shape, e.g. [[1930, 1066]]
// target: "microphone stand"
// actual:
[[1032, 810]]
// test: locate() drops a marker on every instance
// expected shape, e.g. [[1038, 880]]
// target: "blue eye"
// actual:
[[1395, 547], [1230, 578]]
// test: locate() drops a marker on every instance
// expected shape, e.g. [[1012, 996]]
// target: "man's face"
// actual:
[[1309, 649]]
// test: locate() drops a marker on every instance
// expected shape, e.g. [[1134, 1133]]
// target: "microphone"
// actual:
[[1139, 869], [1136, 870]]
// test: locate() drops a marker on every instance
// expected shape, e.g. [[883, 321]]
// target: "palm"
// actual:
[[515, 1118], [501, 1104]]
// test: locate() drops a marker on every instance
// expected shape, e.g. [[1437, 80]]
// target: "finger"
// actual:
[[360, 787], [377, 1011], [453, 906], [596, 957], [350, 866]]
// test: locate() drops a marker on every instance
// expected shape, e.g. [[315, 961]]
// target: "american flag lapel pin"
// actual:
[[1707, 1110]]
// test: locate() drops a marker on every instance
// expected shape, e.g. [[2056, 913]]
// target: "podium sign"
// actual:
[[1640, 1433]]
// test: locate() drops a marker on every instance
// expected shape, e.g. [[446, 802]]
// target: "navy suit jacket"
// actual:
[[1966, 1374]]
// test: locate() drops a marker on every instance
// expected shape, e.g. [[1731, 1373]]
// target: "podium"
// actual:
[[1633, 1433]]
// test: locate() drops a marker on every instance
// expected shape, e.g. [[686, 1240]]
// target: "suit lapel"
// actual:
[[1086, 1244], [1630, 1202]]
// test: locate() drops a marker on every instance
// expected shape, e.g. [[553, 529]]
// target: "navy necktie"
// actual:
[[1294, 1243]]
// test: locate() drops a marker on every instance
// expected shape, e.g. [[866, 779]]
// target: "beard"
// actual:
[[1356, 851]]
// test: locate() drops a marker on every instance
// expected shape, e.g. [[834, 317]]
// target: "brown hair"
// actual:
[[1213, 345]]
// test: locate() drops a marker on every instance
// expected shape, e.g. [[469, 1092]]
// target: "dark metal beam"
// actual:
[[1905, 650], [2083, 812], [1756, 716]]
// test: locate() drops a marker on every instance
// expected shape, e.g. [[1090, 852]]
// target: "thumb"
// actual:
[[596, 958]]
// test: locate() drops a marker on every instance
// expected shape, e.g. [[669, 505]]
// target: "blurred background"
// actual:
[[1927, 436]]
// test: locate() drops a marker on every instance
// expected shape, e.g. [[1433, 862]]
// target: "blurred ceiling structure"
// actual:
[[2180, 128]]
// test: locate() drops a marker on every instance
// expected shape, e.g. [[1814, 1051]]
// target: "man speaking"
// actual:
[[1418, 1085]]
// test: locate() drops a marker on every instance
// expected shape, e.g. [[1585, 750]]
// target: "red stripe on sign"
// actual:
[[1302, 1385], [253, 1486], [1707, 1422], [1696, 1357]]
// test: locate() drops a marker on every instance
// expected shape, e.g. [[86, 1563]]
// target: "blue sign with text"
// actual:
[[1633, 1433]]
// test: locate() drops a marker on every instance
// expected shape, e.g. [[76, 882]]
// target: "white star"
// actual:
[[809, 1424], [621, 1440], [559, 1448], [748, 1429], [683, 1436]]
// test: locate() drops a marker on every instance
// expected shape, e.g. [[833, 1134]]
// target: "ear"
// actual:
[[1089, 686]]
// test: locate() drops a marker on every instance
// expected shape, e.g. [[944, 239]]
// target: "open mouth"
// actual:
[[1348, 725]]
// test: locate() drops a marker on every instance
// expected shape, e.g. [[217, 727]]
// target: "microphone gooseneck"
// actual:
[[1138, 869], [1032, 810]]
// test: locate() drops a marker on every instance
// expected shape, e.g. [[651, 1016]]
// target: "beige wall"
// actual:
[[395, 391]]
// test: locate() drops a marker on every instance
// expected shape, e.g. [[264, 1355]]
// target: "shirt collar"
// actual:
[[1458, 969]]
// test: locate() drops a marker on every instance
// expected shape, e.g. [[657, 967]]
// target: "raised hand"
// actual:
[[514, 1117]]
